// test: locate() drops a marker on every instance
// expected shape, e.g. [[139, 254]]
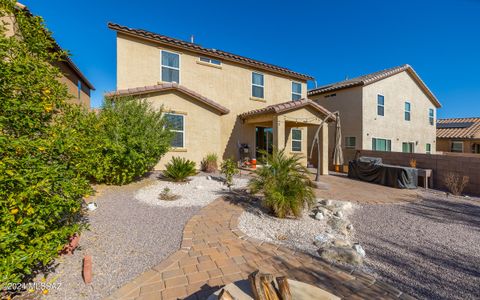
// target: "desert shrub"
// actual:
[[132, 138], [285, 184], [40, 188], [209, 163], [179, 169], [229, 169], [455, 183]]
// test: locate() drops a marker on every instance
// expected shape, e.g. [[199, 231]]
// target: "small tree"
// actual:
[[229, 169]]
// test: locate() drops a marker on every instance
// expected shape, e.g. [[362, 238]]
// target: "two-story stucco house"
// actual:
[[78, 85], [389, 110], [218, 102]]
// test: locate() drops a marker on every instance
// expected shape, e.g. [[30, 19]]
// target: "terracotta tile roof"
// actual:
[[67, 58], [162, 39], [458, 128], [166, 87], [284, 107], [374, 77]]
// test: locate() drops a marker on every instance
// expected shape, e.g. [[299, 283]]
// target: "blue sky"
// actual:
[[326, 39]]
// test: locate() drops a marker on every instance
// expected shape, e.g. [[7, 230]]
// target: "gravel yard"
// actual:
[[128, 236], [429, 249]]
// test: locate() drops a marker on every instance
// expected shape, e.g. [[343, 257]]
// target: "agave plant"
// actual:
[[284, 183], [179, 169]]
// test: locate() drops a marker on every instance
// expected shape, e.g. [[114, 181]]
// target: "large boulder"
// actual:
[[336, 254]]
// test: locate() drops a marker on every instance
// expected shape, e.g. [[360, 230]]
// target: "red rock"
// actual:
[[87, 269]]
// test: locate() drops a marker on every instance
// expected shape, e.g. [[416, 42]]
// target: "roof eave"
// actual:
[[212, 54]]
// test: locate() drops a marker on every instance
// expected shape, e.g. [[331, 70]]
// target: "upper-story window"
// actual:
[[431, 116], [257, 85], [170, 67], [210, 61], [79, 89], [407, 111], [296, 91], [380, 105]]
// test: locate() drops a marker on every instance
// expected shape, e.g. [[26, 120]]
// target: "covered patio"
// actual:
[[290, 126]]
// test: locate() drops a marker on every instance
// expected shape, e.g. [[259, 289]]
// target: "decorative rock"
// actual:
[[327, 202], [87, 269], [92, 206], [359, 249], [208, 177], [338, 214], [341, 255], [323, 210], [322, 239], [319, 216], [350, 227]]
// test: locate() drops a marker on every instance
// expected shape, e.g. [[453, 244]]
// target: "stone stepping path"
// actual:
[[214, 252]]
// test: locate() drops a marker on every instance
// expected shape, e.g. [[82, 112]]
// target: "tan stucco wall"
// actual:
[[348, 103], [445, 145], [138, 64], [397, 89], [202, 126], [358, 113]]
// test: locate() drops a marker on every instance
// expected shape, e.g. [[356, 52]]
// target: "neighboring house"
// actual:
[[389, 110], [216, 101], [461, 135], [78, 85]]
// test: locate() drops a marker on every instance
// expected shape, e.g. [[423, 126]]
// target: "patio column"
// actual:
[[324, 149], [278, 132]]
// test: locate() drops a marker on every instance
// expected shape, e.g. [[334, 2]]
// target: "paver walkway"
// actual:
[[214, 253]]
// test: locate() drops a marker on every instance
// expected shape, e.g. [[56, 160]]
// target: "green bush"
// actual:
[[40, 189], [285, 184], [229, 169], [209, 163], [133, 138], [179, 169]]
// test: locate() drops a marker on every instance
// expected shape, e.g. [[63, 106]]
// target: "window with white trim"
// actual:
[[428, 148], [457, 146], [170, 66], [431, 116], [350, 142], [176, 124], [296, 140], [257, 85], [210, 61], [380, 105], [381, 145], [408, 147], [408, 108], [296, 91]]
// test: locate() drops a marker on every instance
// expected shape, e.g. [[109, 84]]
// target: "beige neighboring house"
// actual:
[[389, 110], [459, 135], [78, 85], [216, 101]]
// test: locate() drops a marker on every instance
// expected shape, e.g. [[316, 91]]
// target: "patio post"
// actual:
[[278, 132]]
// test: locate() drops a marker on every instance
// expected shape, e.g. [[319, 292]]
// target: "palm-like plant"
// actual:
[[179, 169], [285, 184]]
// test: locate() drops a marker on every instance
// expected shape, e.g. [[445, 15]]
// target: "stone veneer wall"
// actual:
[[468, 165]]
